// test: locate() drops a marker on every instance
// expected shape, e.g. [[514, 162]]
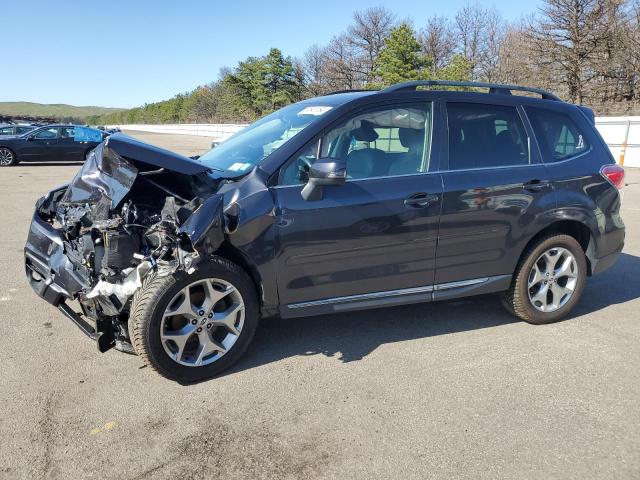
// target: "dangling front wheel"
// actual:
[[192, 327], [548, 281]]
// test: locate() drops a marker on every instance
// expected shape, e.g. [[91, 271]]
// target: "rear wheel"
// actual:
[[7, 157], [192, 327], [549, 280]]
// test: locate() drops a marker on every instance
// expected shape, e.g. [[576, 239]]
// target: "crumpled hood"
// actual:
[[133, 149], [111, 169]]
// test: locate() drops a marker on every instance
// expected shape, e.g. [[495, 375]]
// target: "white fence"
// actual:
[[622, 134], [216, 131]]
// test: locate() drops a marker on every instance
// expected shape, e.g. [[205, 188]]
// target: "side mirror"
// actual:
[[30, 138], [325, 172]]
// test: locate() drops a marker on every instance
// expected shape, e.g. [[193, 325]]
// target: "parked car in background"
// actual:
[[108, 130], [50, 143], [15, 129], [338, 203]]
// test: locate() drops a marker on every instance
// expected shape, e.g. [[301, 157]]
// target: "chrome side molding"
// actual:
[[389, 293]]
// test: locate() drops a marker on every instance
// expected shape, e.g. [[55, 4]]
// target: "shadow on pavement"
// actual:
[[619, 284], [352, 336]]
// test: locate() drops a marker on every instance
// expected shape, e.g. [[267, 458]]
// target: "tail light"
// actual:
[[614, 174]]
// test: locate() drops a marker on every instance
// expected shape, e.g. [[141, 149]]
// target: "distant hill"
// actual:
[[57, 110]]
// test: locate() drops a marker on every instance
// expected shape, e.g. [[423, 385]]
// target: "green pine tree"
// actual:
[[458, 68], [401, 58], [279, 78]]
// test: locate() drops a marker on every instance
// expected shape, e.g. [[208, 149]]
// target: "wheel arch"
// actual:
[[235, 255], [572, 227]]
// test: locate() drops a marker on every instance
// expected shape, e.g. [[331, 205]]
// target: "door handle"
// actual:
[[536, 185], [420, 200]]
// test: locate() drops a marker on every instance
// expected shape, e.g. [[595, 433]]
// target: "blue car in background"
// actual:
[[50, 143]]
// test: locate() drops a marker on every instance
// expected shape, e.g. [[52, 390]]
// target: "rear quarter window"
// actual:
[[558, 135]]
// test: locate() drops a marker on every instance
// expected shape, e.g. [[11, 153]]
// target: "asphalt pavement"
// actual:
[[445, 390]]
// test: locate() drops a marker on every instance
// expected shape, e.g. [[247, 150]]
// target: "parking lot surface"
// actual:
[[444, 390]]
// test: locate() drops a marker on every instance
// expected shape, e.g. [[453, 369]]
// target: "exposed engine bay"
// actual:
[[120, 219]]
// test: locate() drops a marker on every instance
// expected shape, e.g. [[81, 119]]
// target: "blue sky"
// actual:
[[123, 54]]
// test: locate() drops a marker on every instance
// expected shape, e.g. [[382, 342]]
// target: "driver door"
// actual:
[[41, 146], [371, 241]]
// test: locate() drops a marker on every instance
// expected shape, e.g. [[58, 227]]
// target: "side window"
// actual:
[[46, 134], [83, 134], [296, 170], [6, 130], [387, 141], [21, 130], [67, 132], [485, 136], [558, 136]]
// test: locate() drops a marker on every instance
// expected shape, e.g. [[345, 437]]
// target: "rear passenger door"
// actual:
[[68, 148], [496, 192]]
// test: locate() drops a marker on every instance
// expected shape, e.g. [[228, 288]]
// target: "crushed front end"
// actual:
[[131, 210]]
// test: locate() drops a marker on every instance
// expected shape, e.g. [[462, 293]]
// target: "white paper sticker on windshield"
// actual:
[[314, 110], [239, 167]]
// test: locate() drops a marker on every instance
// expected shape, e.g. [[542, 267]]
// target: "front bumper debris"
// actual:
[[55, 279]]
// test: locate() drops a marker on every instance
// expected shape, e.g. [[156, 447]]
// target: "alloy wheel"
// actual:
[[6, 157], [202, 322], [552, 280]]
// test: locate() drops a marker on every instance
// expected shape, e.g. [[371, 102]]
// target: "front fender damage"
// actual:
[[202, 231], [122, 218]]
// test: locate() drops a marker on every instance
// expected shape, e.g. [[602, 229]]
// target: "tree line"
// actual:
[[585, 51]]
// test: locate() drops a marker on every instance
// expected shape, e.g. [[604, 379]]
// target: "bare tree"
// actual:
[[491, 38], [343, 66], [314, 67], [367, 35], [569, 36], [616, 63], [438, 42], [632, 47], [470, 29]]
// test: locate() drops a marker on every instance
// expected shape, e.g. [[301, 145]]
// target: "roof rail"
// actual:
[[355, 90], [493, 87]]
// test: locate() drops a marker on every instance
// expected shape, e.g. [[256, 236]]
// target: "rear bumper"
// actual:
[[604, 263], [608, 248]]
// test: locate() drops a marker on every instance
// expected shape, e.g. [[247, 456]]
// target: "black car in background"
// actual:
[[338, 203], [50, 143], [10, 129]]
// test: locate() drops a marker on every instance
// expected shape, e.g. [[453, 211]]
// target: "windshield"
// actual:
[[249, 147]]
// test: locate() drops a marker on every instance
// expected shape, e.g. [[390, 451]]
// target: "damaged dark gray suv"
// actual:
[[344, 202]]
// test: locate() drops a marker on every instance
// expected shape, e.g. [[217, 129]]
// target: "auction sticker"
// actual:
[[314, 110], [239, 167]]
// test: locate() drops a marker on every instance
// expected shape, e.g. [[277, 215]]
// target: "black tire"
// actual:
[[14, 160], [516, 299], [151, 300]]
